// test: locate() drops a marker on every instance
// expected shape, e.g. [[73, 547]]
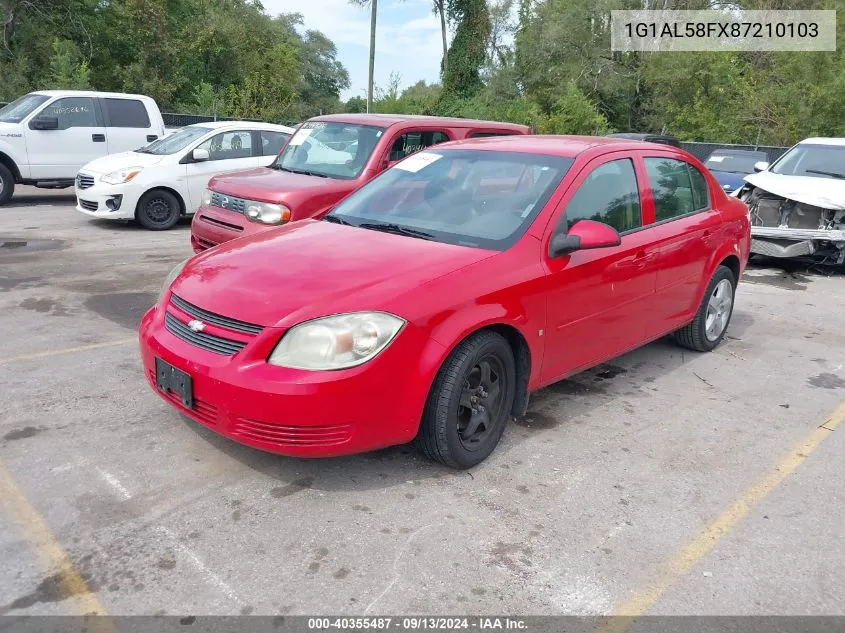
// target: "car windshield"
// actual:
[[19, 109], [175, 142], [484, 199], [734, 162], [328, 149], [817, 161]]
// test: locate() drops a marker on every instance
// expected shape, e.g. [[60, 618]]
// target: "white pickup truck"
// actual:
[[46, 136]]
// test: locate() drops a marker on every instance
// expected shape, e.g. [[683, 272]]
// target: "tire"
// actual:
[[158, 210], [7, 184], [696, 335], [464, 416]]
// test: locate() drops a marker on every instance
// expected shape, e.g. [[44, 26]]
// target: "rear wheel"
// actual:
[[7, 184], [708, 327], [470, 402], [158, 210]]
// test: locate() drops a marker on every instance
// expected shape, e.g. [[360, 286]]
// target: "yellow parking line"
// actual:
[[67, 350], [51, 555], [684, 559]]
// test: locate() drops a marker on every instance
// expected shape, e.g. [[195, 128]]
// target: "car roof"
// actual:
[[641, 135], [387, 120], [823, 140], [254, 125], [89, 93], [556, 145]]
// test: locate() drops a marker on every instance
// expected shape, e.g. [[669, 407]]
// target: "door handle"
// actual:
[[151, 138], [98, 138]]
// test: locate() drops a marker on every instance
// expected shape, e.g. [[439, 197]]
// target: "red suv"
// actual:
[[326, 159]]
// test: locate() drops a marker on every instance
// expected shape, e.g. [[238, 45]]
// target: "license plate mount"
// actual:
[[170, 379]]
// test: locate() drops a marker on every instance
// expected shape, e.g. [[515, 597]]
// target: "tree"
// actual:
[[67, 70], [467, 54]]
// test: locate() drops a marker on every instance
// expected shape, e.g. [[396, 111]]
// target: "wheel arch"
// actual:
[[7, 161]]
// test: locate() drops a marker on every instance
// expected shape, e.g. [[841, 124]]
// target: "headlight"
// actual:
[[336, 342], [267, 213], [121, 175], [171, 276], [206, 198]]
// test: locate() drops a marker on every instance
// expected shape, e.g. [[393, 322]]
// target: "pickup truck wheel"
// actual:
[[158, 210], [708, 327], [7, 184], [470, 402]]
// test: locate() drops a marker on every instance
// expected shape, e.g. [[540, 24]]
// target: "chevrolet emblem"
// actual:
[[196, 325]]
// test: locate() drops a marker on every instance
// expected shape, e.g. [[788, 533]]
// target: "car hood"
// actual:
[[113, 162], [270, 185], [828, 193], [729, 178], [314, 268]]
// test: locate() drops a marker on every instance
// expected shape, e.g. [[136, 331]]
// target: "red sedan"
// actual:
[[429, 304]]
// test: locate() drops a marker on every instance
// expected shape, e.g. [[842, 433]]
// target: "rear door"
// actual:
[[80, 138], [598, 300], [128, 124], [685, 227], [227, 151]]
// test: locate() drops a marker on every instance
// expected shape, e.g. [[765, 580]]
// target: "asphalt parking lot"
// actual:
[[664, 482]]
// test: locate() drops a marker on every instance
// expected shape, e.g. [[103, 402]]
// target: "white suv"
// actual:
[[46, 136], [159, 183]]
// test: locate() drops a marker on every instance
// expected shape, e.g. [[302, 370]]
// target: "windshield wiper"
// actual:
[[398, 230], [301, 171], [826, 173], [337, 220]]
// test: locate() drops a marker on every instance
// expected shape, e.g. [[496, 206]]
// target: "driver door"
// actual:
[[598, 300], [227, 151]]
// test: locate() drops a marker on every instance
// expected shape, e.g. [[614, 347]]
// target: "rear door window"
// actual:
[[271, 142], [126, 113], [672, 188], [411, 142]]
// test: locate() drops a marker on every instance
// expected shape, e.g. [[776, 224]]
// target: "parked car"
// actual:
[[730, 166], [165, 180], [46, 136], [429, 303], [661, 139], [328, 158], [797, 204]]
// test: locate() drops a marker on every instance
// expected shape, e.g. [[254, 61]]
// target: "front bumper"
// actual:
[[297, 412], [99, 201], [798, 234], [212, 226]]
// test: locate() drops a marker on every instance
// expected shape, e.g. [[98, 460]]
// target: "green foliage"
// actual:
[[468, 51], [574, 113], [68, 70]]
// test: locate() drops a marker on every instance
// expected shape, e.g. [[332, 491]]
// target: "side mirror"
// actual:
[[584, 235], [761, 165], [200, 155], [43, 122]]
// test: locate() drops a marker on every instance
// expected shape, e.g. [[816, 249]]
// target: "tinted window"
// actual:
[[700, 191], [126, 113], [609, 195], [272, 142], [229, 145], [73, 112], [466, 197], [411, 142], [671, 187]]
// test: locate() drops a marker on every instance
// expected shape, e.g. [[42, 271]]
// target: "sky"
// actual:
[[407, 38]]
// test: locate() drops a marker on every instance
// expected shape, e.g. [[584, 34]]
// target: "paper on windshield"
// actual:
[[715, 159], [300, 136], [417, 161]]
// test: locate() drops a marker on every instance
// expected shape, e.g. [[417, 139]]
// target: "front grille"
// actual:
[[238, 205], [216, 319], [84, 181], [209, 342], [88, 205], [207, 413], [226, 225], [292, 435]]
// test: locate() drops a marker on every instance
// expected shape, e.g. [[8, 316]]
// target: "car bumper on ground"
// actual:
[[112, 202], [295, 412], [212, 226]]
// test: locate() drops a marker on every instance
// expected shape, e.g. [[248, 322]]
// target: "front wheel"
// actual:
[[708, 327], [158, 210], [7, 184], [470, 402]]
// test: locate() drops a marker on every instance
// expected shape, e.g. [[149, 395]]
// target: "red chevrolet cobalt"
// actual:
[[428, 304]]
